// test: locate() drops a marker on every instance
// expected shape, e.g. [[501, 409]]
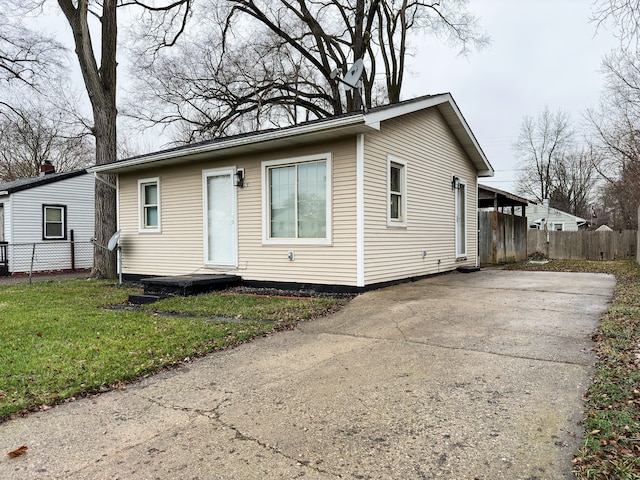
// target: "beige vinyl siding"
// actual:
[[179, 247], [433, 156]]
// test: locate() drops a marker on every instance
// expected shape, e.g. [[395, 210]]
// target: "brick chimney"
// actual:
[[46, 168]]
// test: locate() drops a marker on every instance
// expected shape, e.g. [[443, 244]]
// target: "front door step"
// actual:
[[185, 285]]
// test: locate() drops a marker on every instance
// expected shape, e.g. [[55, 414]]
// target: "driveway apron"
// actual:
[[466, 376]]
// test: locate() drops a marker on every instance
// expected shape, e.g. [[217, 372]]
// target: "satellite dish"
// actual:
[[353, 75], [113, 241]]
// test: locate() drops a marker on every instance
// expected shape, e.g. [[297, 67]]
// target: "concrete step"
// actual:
[[142, 299]]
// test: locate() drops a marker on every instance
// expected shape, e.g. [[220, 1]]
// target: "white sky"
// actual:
[[543, 52]]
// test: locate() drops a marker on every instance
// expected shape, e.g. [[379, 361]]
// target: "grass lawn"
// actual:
[[57, 341], [611, 447]]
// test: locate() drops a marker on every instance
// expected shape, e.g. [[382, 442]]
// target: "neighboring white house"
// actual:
[[39, 218], [557, 220]]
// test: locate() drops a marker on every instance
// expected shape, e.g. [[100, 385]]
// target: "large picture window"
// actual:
[[149, 204], [297, 200], [54, 222]]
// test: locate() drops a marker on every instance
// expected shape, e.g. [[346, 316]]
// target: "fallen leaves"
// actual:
[[18, 452]]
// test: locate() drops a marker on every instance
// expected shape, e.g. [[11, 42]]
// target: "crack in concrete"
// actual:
[[214, 415], [465, 349], [397, 322], [267, 446]]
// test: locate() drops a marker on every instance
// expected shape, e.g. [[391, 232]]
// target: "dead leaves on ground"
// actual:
[[18, 452]]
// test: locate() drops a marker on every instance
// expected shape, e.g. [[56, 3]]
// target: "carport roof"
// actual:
[[492, 197]]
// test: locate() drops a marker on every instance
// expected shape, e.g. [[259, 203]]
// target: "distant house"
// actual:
[[349, 202], [556, 220], [40, 216]]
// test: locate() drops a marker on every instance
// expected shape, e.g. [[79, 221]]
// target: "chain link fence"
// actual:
[[43, 257]]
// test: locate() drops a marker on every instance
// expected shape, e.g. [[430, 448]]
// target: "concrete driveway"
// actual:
[[465, 376]]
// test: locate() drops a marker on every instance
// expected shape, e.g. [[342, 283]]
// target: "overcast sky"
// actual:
[[543, 52]]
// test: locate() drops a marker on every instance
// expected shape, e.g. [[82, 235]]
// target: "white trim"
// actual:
[[402, 222], [63, 221], [117, 202], [243, 141], [266, 240], [466, 221], [360, 210], [234, 207], [141, 227], [318, 131]]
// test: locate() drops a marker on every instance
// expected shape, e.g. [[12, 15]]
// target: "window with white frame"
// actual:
[[558, 226], [54, 222], [397, 192], [297, 200], [149, 204]]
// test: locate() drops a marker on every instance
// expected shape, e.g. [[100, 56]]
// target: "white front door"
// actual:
[[220, 217]]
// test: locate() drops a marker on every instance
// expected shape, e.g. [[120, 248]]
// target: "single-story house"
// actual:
[[348, 202], [556, 220], [41, 216]]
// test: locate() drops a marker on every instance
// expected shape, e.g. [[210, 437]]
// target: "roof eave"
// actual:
[[447, 106], [250, 144]]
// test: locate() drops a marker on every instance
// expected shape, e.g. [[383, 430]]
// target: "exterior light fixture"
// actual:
[[239, 178], [455, 183]]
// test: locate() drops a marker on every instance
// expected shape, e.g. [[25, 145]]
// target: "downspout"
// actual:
[[360, 280]]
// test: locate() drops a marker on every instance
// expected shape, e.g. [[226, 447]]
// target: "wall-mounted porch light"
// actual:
[[455, 183], [239, 178]]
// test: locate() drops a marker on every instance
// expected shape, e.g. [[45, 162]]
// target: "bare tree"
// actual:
[[575, 181], [26, 56], [542, 143], [269, 63], [163, 22], [625, 15], [35, 132], [615, 127]]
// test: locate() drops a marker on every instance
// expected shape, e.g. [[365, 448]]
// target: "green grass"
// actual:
[[611, 447], [57, 341]]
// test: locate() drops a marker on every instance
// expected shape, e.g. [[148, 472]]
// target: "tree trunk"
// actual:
[[100, 82], [104, 263]]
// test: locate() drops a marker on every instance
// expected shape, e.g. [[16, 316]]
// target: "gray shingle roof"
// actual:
[[27, 183]]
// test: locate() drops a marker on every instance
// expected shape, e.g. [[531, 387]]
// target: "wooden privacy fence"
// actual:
[[583, 244], [501, 238]]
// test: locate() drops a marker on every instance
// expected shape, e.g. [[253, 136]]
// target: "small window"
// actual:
[[397, 197], [558, 227], [149, 201], [54, 222]]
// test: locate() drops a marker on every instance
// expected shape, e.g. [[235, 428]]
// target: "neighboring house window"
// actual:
[[297, 200], [54, 222], [558, 227], [461, 219], [149, 204], [396, 192]]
